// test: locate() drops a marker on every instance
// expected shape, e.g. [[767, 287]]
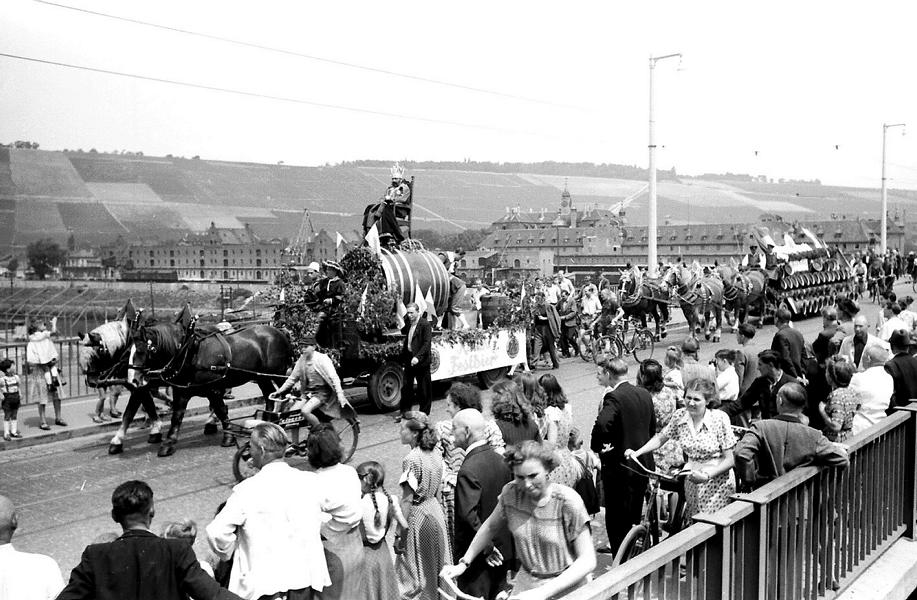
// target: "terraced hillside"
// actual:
[[101, 196]]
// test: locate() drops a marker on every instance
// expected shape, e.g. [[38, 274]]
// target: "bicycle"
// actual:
[[649, 531], [640, 343], [292, 421]]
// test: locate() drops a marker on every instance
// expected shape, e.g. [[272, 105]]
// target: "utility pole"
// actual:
[[651, 258], [222, 303], [884, 246], [152, 302]]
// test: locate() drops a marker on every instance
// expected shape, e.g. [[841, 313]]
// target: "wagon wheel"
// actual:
[[385, 386]]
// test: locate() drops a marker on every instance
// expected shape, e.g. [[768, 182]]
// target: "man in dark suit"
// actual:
[[903, 369], [478, 485], [789, 344], [140, 565], [762, 393], [415, 356], [626, 421]]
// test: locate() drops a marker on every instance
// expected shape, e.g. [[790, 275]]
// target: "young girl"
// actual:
[[379, 508], [9, 393]]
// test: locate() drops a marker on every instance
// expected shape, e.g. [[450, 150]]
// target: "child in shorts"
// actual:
[[9, 399]]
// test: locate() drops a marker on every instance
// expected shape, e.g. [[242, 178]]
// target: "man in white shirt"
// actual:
[[875, 388], [893, 323], [24, 576], [727, 380], [565, 284], [272, 522], [552, 291], [853, 347]]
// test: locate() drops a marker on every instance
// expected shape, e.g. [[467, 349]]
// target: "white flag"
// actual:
[[372, 238], [283, 295], [419, 301], [340, 239], [363, 300], [431, 306], [815, 241], [400, 311]]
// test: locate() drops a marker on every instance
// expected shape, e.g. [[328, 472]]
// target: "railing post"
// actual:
[[910, 462]]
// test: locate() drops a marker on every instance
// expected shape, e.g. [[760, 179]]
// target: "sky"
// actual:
[[796, 90]]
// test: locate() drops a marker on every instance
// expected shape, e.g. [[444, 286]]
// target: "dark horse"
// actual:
[[103, 358], [204, 361], [640, 296], [742, 291]]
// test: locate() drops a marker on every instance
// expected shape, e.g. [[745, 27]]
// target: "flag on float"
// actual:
[[431, 306], [363, 300], [372, 239], [745, 261], [339, 240], [400, 311], [283, 295], [419, 300], [815, 242]]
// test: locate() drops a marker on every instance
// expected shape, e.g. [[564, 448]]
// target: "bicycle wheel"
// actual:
[[914, 284], [242, 467], [634, 543], [585, 348], [643, 345], [348, 429], [606, 348]]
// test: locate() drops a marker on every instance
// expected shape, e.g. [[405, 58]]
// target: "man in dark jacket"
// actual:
[[789, 344], [784, 443], [478, 485], [568, 318], [762, 394], [140, 565], [415, 356], [903, 369], [626, 421], [547, 330]]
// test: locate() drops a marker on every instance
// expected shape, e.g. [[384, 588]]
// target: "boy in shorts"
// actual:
[[9, 399]]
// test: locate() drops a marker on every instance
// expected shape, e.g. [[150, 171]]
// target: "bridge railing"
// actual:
[[805, 535], [67, 365]]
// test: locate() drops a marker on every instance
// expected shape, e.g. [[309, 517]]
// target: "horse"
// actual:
[[205, 361], [640, 297], [701, 297], [103, 359]]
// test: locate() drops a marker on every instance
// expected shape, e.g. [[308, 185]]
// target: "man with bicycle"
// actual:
[[319, 382]]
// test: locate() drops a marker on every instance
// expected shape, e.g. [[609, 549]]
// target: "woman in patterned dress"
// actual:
[[558, 424], [460, 396], [843, 402], [426, 543], [649, 376], [549, 525], [706, 437]]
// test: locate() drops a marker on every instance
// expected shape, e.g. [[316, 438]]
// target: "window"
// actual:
[[171, 263], [225, 274], [225, 262], [258, 264], [257, 274], [151, 262], [202, 264], [258, 252], [151, 254], [225, 252], [516, 264]]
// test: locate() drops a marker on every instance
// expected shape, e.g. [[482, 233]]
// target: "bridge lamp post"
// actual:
[[651, 233], [884, 244]]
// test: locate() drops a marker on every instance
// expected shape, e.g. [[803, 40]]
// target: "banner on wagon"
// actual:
[[504, 349]]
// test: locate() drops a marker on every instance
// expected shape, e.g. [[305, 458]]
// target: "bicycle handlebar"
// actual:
[[642, 470]]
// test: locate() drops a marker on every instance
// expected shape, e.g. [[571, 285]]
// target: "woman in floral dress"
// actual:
[[649, 376], [558, 425], [843, 402], [705, 434], [426, 543]]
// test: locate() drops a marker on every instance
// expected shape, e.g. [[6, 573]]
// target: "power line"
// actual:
[[213, 88], [323, 59]]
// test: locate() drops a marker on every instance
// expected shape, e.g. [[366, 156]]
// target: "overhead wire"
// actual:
[[332, 61], [341, 107]]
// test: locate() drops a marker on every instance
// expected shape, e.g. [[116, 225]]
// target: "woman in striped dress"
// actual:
[[426, 543]]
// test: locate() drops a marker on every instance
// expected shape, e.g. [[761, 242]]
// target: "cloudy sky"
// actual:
[[805, 85]]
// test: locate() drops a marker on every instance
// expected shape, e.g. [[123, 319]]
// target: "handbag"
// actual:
[[586, 488]]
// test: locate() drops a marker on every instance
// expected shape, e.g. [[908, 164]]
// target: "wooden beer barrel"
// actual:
[[413, 270], [491, 306]]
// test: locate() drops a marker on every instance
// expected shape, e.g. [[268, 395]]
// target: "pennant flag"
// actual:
[[419, 301], [811, 236], [522, 295], [283, 295], [400, 311], [372, 239], [340, 239], [762, 261], [745, 261], [363, 300], [431, 306]]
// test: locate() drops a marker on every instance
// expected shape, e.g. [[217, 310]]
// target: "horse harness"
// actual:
[[182, 360]]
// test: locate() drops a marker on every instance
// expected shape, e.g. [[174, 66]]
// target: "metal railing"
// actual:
[[67, 365], [806, 535]]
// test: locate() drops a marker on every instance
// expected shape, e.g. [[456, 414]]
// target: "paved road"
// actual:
[[63, 489]]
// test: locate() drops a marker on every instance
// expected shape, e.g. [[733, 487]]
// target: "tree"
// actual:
[[12, 267], [44, 256]]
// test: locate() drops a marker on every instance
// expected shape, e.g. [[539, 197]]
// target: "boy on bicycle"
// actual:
[[319, 382]]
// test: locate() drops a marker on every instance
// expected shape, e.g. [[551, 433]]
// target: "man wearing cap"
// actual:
[[329, 294], [902, 368], [416, 358]]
